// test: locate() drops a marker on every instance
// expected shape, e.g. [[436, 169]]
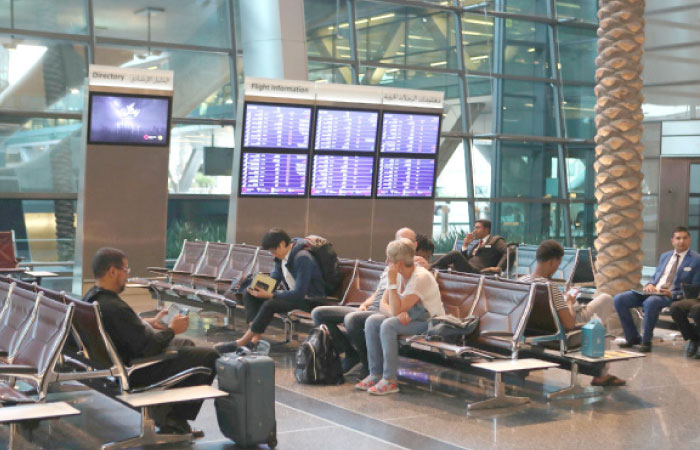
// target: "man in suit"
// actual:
[[481, 252], [680, 265]]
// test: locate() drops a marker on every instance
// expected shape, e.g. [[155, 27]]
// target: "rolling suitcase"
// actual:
[[247, 415]]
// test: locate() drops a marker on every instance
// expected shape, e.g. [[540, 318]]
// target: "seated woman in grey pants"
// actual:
[[411, 297]]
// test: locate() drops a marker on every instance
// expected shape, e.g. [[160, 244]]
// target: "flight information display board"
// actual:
[[410, 133], [276, 126], [273, 174], [406, 177], [342, 176], [346, 130]]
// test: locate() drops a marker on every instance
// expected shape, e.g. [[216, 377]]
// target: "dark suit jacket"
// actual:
[[688, 272], [493, 254]]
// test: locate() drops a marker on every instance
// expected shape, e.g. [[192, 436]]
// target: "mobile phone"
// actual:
[[185, 311]]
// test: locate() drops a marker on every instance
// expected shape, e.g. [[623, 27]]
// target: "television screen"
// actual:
[[129, 120], [410, 133], [342, 176], [276, 126], [406, 177], [218, 161], [273, 174], [346, 130]]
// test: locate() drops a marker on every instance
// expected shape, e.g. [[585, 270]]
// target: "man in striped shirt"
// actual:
[[549, 256]]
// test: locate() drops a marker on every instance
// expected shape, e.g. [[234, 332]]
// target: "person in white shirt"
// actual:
[[411, 297]]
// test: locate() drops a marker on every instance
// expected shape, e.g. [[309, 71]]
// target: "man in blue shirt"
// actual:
[[678, 266]]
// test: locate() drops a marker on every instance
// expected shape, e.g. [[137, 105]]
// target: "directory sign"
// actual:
[[406, 177], [410, 133], [273, 174], [129, 119], [276, 126], [342, 176], [346, 130]]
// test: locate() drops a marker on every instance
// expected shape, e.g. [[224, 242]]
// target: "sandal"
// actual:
[[610, 380], [384, 387], [367, 383]]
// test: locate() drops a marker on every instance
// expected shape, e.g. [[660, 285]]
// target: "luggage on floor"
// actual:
[[317, 361], [247, 415]]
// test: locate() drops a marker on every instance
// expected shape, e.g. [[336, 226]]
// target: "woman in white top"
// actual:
[[411, 297]]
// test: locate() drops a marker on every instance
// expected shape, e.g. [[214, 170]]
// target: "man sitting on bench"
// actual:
[[133, 339], [549, 256], [481, 252]]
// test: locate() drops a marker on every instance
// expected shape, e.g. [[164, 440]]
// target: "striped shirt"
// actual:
[[557, 296]]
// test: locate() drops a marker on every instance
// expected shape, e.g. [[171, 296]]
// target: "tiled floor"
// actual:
[[657, 410]]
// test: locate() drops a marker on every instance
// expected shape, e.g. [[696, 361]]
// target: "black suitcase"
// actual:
[[247, 415]]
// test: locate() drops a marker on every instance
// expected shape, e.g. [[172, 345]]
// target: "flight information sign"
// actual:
[[410, 133], [406, 177], [346, 130], [342, 176], [277, 126], [273, 174]]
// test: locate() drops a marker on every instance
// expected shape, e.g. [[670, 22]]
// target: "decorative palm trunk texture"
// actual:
[[618, 183]]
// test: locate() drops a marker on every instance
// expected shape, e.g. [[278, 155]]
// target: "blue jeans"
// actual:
[[332, 316], [381, 335], [355, 327], [652, 307]]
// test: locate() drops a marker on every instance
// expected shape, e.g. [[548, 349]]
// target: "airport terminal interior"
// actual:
[[152, 126]]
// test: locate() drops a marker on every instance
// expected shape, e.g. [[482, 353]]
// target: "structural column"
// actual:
[[618, 144]]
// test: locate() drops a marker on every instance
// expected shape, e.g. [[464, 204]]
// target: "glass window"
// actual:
[[203, 220], [65, 16], [175, 21], [330, 73], [578, 48], [531, 223], [202, 79], [481, 167], [581, 176], [199, 155], [529, 170], [528, 108], [530, 7], [328, 34], [477, 42], [579, 111], [583, 224], [452, 180], [42, 75], [450, 222], [526, 51], [39, 155], [579, 9]]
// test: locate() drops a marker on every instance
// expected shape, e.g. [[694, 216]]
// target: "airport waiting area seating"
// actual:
[[8, 253]]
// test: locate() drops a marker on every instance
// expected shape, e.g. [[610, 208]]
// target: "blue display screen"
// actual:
[[273, 174], [410, 133], [346, 130], [276, 126], [128, 119], [406, 177], [342, 176]]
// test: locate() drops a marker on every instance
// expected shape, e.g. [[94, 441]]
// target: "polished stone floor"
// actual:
[[657, 410]]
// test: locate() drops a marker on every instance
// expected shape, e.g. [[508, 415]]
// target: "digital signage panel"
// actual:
[[346, 130], [273, 126], [273, 174], [406, 177], [342, 176], [410, 133]]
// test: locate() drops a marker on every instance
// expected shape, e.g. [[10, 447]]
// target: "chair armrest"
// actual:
[[328, 300], [206, 277], [224, 280], [180, 272], [17, 369], [140, 363], [173, 380], [161, 270], [495, 333]]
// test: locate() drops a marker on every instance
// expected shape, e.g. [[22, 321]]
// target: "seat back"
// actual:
[[87, 326], [16, 318], [31, 287], [189, 257], [5, 290], [8, 251], [583, 271], [265, 262], [213, 259], [364, 283], [458, 292], [53, 295], [567, 265], [239, 264], [525, 260], [542, 317], [347, 270]]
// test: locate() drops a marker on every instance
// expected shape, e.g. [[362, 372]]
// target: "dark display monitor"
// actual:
[[406, 177], [218, 161], [342, 176], [346, 130], [410, 133], [276, 126], [124, 119], [273, 174]]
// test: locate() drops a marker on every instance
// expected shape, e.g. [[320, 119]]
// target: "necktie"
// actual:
[[477, 247], [672, 274]]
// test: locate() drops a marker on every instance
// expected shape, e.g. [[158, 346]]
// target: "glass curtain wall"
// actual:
[[45, 49], [518, 77]]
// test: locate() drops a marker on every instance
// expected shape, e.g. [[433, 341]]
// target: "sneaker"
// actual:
[[261, 348], [384, 387], [630, 344], [645, 347], [367, 383]]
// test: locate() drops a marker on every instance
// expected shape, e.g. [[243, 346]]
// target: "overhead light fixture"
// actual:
[[149, 11]]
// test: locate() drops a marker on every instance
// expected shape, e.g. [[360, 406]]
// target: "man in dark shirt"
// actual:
[[481, 252], [133, 339]]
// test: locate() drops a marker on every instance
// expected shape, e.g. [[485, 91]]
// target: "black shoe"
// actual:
[[692, 348], [261, 348], [350, 363], [630, 344], [174, 425], [226, 347], [645, 347]]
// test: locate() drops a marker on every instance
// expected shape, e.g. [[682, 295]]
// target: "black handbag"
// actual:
[[452, 330]]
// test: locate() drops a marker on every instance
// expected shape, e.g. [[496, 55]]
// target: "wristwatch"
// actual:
[[393, 286]]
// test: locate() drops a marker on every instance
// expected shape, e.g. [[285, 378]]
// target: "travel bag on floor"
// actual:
[[247, 415]]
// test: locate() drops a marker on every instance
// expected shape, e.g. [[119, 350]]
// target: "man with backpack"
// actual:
[[297, 270]]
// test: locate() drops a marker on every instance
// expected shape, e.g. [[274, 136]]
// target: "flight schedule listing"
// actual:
[[410, 133], [354, 131], [342, 176], [275, 126], [405, 177], [273, 174]]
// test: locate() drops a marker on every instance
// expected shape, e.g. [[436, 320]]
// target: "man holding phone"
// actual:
[[481, 252]]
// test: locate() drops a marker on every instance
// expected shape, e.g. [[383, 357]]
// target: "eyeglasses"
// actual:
[[125, 269]]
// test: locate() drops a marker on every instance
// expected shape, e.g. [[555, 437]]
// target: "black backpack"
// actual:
[[327, 259], [317, 362]]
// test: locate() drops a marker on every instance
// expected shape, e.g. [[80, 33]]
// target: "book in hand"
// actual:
[[176, 309], [263, 282]]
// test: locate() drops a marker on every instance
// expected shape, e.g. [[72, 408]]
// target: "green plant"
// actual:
[[446, 243], [180, 230]]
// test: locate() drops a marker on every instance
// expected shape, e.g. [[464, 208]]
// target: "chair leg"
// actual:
[[148, 435], [500, 399], [575, 389], [228, 323]]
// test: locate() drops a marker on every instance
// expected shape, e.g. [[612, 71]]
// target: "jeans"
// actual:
[[332, 316], [260, 312], [681, 311], [355, 327], [458, 261], [381, 335], [652, 307]]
